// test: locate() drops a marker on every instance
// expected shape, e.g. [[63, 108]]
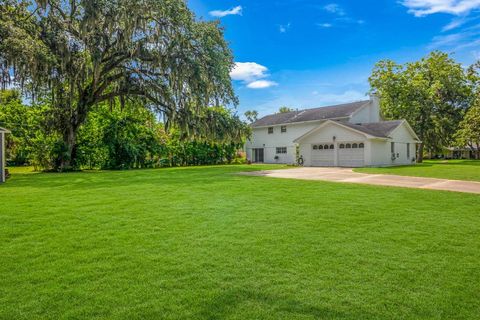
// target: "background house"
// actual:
[[347, 135]]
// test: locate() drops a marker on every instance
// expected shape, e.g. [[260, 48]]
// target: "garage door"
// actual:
[[323, 155], [351, 154]]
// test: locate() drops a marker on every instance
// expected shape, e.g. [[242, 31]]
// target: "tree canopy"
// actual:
[[432, 94], [285, 109], [80, 53]]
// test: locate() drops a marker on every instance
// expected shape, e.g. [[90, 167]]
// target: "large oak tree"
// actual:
[[79, 53], [432, 94]]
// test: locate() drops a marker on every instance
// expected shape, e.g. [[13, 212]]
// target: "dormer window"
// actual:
[[283, 129], [270, 130]]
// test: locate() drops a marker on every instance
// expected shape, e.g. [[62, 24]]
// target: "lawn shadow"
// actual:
[[229, 302], [98, 179]]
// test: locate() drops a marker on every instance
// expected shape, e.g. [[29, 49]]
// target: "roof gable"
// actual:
[[316, 114], [370, 130]]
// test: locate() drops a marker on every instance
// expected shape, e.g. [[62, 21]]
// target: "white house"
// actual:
[[346, 135]]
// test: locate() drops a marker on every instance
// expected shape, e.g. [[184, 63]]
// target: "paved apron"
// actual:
[[347, 175]]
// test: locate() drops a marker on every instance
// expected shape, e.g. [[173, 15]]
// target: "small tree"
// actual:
[[251, 115], [285, 109]]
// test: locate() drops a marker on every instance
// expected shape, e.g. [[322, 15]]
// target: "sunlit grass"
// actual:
[[206, 243], [446, 169]]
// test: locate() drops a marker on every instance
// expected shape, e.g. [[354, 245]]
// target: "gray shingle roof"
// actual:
[[322, 113], [377, 129]]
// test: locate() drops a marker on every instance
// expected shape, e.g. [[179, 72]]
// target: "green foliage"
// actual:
[[431, 94], [30, 141], [251, 115], [81, 53], [113, 137], [469, 129], [285, 109]]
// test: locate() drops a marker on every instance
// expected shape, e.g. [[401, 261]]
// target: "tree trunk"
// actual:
[[67, 159], [420, 153]]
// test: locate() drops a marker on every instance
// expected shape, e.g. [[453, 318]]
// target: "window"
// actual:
[[270, 130], [320, 147], [408, 150], [325, 147], [354, 146], [392, 147], [315, 147], [332, 146], [281, 150], [348, 146], [283, 129], [361, 146], [342, 146]]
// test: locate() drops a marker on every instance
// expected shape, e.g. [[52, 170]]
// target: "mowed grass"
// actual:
[[445, 169], [206, 243]]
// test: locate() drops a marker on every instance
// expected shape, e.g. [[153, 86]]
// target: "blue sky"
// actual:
[[310, 53]]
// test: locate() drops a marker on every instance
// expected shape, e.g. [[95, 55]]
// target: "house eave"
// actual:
[[300, 122]]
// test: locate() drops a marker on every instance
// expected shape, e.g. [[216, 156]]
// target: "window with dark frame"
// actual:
[[283, 129], [361, 146], [315, 147], [270, 130], [342, 146], [408, 150], [392, 147], [281, 150]]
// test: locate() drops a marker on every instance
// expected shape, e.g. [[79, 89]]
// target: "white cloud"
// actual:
[[222, 13], [248, 71], [455, 23], [334, 8], [325, 25], [421, 8], [252, 74], [284, 28], [261, 84]]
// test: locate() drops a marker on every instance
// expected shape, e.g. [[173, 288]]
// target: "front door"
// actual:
[[258, 155]]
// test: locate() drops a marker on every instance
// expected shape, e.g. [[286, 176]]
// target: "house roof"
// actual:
[[372, 130], [322, 113], [4, 130], [377, 129]]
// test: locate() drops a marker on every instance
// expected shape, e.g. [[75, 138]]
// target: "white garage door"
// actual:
[[323, 155], [351, 154]]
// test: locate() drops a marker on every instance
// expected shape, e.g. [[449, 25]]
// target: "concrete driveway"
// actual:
[[347, 175]]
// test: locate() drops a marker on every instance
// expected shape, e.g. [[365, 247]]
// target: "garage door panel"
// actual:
[[351, 157], [323, 157]]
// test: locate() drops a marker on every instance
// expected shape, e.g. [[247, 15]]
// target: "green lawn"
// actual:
[[446, 169], [205, 243]]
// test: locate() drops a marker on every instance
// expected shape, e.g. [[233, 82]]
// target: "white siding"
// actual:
[[402, 136], [325, 136], [381, 150], [261, 139], [367, 114]]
